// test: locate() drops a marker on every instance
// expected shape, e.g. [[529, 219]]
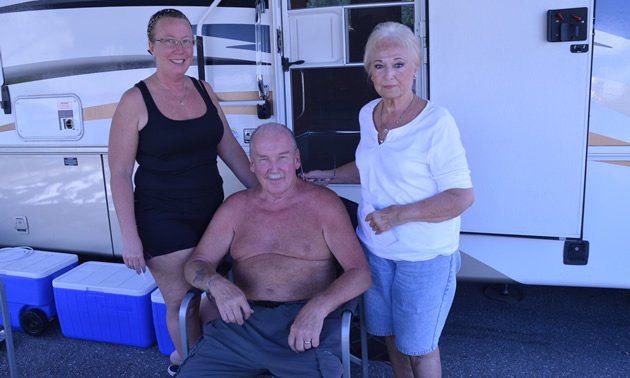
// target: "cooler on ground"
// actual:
[[107, 302], [27, 275], [165, 344]]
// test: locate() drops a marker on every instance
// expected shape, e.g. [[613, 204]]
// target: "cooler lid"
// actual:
[[157, 297], [29, 263], [105, 277]]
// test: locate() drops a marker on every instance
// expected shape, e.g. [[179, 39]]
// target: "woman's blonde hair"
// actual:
[[392, 32], [164, 13]]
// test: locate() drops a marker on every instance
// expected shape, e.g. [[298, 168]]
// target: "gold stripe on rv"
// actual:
[[595, 139], [624, 163], [106, 111]]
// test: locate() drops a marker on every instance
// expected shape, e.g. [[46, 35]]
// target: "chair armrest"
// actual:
[[191, 295]]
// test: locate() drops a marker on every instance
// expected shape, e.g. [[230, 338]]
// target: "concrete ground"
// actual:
[[530, 331]]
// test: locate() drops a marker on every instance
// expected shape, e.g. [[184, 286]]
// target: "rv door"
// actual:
[[324, 80], [521, 103]]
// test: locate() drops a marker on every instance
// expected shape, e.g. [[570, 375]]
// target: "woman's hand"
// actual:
[[384, 219], [318, 177], [133, 255]]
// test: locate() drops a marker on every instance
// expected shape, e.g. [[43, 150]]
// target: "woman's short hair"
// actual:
[[392, 32], [164, 13]]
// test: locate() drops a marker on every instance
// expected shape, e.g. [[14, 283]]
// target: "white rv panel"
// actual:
[[61, 197], [521, 104]]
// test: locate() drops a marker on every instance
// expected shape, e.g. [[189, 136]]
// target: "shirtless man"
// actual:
[[285, 237]]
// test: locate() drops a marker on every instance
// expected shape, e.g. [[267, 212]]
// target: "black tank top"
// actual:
[[178, 157]]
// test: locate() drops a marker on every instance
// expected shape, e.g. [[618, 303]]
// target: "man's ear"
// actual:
[[298, 162]]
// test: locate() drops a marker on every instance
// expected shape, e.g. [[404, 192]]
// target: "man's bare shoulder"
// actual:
[[322, 199], [236, 197]]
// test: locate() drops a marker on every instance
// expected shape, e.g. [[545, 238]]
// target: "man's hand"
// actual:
[[306, 328], [230, 300]]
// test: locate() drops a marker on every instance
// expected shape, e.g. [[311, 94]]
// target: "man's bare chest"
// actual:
[[284, 233]]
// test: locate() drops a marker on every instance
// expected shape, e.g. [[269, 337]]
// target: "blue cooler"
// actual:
[[107, 302], [27, 275], [165, 344]]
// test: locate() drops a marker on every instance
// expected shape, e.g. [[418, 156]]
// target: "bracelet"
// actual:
[[208, 285]]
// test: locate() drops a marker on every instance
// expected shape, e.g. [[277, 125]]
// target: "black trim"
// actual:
[[520, 236], [201, 68], [72, 67], [6, 100], [68, 4]]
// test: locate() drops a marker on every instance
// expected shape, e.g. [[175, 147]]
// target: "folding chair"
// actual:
[[352, 309]]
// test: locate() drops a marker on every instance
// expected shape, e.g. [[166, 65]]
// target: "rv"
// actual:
[[538, 89]]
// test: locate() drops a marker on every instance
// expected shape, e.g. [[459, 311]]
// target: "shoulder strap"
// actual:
[[201, 88], [146, 95]]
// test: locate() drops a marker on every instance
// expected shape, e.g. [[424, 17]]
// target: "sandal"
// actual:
[[173, 369]]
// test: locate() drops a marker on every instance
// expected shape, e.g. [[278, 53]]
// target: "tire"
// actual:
[[34, 322]]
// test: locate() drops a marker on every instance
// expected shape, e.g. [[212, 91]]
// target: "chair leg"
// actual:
[[363, 361], [346, 321], [364, 348], [6, 321]]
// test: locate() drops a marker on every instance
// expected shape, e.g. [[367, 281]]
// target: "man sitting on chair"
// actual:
[[285, 237]]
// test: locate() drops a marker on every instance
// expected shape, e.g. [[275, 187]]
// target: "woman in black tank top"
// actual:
[[173, 127]]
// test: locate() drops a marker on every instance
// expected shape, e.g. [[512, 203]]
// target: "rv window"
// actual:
[[362, 21], [326, 113], [301, 4]]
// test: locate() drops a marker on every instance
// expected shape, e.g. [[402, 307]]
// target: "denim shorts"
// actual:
[[411, 300]]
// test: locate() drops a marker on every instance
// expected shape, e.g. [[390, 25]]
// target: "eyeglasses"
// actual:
[[171, 42]]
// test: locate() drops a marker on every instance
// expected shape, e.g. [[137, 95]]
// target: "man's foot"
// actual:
[[173, 369]]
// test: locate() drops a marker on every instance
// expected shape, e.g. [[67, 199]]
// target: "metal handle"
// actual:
[[263, 90], [303, 97]]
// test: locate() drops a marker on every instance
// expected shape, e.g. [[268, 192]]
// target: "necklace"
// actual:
[[180, 99], [381, 140]]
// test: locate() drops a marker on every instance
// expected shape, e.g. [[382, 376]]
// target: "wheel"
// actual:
[[34, 322]]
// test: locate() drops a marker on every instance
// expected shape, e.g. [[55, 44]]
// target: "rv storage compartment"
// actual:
[[27, 277], [108, 302], [165, 344]]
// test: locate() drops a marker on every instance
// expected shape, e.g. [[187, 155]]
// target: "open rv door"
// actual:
[[516, 77], [324, 80]]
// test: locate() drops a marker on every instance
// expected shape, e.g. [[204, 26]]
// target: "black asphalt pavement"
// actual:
[[528, 331]]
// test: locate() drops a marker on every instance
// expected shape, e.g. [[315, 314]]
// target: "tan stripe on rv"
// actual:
[[7, 127], [595, 139], [625, 163]]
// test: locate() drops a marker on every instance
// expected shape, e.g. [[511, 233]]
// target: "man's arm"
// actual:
[[356, 278], [201, 268]]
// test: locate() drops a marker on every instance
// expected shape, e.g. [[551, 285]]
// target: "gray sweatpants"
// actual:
[[261, 344]]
